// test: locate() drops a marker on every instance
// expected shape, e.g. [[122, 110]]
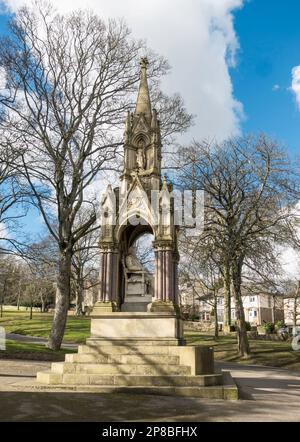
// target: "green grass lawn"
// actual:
[[276, 354], [28, 351], [269, 353], [77, 330]]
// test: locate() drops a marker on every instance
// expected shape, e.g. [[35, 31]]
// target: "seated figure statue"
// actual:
[[131, 261]]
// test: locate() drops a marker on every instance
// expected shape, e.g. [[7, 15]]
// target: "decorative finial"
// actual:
[[144, 63], [143, 105], [165, 183], [154, 122]]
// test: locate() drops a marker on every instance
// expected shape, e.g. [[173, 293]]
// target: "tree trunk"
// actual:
[[19, 298], [216, 318], [2, 298], [243, 343], [227, 301], [62, 301], [79, 295], [30, 315], [295, 316], [274, 310], [43, 306]]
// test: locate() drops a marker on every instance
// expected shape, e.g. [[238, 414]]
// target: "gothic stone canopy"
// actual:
[[142, 204]]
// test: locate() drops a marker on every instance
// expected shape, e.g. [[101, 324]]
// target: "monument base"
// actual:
[[139, 353], [164, 307], [104, 307], [136, 303], [137, 327]]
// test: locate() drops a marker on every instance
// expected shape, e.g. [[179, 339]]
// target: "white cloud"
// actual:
[[3, 231], [296, 83], [290, 263], [276, 87], [290, 257], [2, 78], [199, 40]]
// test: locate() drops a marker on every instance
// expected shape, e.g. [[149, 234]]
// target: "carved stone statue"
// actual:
[[131, 261], [140, 159]]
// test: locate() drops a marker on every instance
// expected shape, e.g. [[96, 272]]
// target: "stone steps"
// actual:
[[124, 349], [50, 377], [113, 368], [229, 392], [123, 358], [139, 369], [225, 388]]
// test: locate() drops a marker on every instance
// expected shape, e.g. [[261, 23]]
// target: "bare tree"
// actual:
[[200, 271], [292, 302], [7, 270], [247, 203], [12, 199], [144, 252], [85, 265], [69, 83]]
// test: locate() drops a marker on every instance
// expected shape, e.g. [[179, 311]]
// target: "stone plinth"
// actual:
[[146, 369], [135, 303], [139, 353], [137, 326]]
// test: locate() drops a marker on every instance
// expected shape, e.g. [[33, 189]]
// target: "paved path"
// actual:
[[267, 395], [36, 340]]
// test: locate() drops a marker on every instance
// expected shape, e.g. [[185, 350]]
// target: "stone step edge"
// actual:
[[123, 355], [85, 367], [123, 380], [122, 364], [209, 375], [229, 383], [225, 392], [162, 342]]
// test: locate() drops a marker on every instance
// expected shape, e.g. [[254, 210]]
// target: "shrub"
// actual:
[[248, 326], [195, 318], [279, 324], [269, 327]]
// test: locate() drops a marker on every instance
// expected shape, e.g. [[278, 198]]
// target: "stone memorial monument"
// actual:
[[136, 341]]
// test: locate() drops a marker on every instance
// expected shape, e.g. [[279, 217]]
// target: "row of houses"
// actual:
[[260, 308]]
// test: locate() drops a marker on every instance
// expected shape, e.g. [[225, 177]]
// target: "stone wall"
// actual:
[[201, 326], [266, 337]]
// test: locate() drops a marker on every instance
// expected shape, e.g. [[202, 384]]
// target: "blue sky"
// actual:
[[269, 36], [268, 32]]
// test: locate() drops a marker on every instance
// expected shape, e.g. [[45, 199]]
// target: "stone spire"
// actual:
[[143, 105]]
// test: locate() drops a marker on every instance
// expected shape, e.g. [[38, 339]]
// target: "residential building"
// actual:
[[259, 308], [292, 311]]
